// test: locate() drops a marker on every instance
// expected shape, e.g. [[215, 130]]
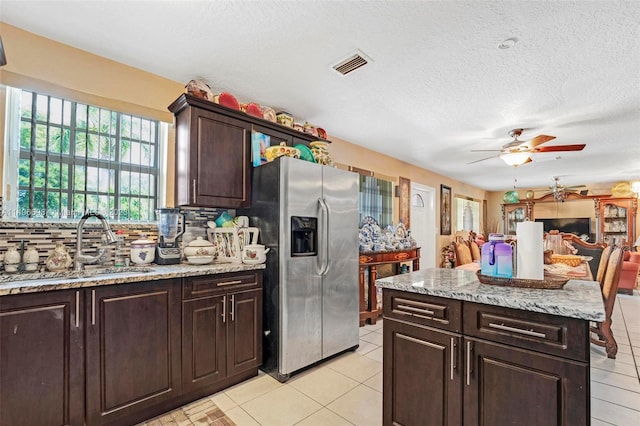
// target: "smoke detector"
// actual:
[[354, 61]]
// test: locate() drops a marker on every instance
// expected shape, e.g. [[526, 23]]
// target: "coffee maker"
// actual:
[[168, 249]]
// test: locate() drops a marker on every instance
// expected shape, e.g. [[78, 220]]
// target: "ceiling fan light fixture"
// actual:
[[515, 158]]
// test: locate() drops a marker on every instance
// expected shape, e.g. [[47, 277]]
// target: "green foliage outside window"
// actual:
[[76, 158]]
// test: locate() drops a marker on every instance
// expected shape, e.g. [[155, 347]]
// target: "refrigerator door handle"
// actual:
[[324, 239]]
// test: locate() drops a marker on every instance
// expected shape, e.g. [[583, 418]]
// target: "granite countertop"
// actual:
[[578, 299], [36, 282]]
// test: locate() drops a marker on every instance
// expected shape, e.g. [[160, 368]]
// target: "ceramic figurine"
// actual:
[[31, 256], [12, 256], [59, 258]]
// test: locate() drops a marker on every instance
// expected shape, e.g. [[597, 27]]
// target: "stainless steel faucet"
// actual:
[[81, 259]]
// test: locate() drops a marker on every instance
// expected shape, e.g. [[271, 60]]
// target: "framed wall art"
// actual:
[[445, 210], [404, 189]]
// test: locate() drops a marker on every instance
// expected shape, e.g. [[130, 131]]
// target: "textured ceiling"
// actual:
[[437, 86]]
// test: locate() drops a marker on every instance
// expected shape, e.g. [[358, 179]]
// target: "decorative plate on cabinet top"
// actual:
[[253, 109], [228, 100], [305, 153]]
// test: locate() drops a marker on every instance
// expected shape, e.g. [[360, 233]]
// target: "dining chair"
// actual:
[[602, 330], [594, 250], [463, 253], [475, 250], [602, 265]]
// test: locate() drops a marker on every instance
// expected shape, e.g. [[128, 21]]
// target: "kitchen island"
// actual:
[[460, 352], [122, 345]]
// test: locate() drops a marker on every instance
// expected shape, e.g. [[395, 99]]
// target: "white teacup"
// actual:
[[254, 253]]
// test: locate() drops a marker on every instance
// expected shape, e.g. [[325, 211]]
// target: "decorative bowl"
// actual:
[[199, 260], [199, 247], [284, 118], [567, 259]]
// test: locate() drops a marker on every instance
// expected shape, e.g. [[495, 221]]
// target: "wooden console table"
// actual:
[[370, 261]]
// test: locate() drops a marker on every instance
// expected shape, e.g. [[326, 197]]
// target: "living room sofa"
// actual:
[[629, 273]]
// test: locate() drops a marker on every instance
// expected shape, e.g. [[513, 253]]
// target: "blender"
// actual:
[[168, 249]]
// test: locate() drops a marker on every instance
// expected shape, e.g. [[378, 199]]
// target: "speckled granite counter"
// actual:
[[578, 299], [69, 280]]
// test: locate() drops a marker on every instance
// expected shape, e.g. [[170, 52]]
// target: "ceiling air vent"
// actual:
[[352, 63]]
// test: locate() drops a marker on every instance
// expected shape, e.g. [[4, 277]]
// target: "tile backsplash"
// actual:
[[43, 235]]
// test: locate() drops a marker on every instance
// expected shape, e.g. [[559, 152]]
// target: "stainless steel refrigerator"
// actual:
[[308, 216]]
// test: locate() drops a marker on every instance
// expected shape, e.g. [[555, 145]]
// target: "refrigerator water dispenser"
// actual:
[[304, 236]]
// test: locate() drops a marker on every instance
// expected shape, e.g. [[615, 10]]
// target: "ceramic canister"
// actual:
[[254, 253], [143, 251]]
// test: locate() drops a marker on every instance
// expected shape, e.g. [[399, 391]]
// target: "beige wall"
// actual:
[[38, 63], [353, 155]]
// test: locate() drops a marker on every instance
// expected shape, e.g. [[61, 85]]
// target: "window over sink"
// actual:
[[64, 158]]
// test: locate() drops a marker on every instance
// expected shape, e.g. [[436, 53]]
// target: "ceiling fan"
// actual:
[[517, 152], [560, 191]]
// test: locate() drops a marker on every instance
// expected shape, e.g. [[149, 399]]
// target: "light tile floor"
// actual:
[[348, 390]]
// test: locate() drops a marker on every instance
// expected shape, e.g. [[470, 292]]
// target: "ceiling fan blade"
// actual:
[[482, 159], [559, 148], [538, 140]]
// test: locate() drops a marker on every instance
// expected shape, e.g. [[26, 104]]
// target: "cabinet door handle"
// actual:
[[224, 308], [453, 356], [77, 309], [418, 310], [469, 360], [193, 192], [229, 283], [233, 311], [517, 330], [93, 307]]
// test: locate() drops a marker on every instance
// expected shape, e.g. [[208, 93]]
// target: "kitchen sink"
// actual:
[[89, 272]]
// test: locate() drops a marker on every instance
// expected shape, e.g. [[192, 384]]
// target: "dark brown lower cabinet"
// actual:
[[132, 349], [498, 366], [120, 354], [508, 386], [222, 331], [421, 375], [41, 359]]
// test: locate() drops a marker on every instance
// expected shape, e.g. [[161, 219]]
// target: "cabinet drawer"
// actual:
[[422, 309], [545, 333], [214, 284]]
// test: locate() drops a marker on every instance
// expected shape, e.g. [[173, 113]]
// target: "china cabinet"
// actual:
[[616, 218], [514, 213]]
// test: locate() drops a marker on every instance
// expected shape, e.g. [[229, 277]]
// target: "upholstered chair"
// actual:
[[629, 274]]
